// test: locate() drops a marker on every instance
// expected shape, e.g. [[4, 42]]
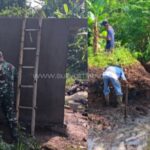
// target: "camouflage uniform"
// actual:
[[7, 77]]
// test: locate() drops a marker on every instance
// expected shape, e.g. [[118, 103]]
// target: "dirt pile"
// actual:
[[137, 76], [147, 66]]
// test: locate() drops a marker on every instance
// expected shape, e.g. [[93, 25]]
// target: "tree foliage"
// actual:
[[98, 10], [131, 22], [77, 48], [132, 26], [77, 52], [135, 20], [17, 11], [65, 8], [11, 3]]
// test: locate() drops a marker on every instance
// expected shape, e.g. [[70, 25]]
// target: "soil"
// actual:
[[108, 119], [138, 79], [77, 127], [74, 137], [137, 75]]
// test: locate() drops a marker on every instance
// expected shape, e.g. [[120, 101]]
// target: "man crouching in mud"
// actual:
[[113, 74]]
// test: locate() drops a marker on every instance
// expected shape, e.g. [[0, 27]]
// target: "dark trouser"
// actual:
[[7, 105], [109, 46], [116, 84]]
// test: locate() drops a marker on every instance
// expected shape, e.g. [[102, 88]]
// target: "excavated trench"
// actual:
[[108, 128]]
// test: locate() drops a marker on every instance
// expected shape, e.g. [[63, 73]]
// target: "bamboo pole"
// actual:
[[20, 68], [34, 102], [126, 102]]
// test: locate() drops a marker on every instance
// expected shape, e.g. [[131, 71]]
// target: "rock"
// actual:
[[73, 105], [77, 96], [134, 142], [147, 127], [73, 89], [120, 146], [82, 101], [67, 107], [85, 125], [48, 147], [119, 136], [142, 110], [85, 114], [84, 139], [82, 147], [78, 86]]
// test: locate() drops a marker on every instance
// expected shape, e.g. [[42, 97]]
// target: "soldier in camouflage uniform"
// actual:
[[7, 78]]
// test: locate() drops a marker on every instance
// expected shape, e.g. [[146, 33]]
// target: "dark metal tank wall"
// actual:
[[51, 83]]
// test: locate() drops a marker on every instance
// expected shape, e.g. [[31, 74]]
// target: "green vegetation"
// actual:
[[77, 47], [98, 10], [69, 81], [49, 8], [77, 52], [17, 11], [120, 56], [23, 144], [70, 78], [62, 9], [6, 4], [130, 20]]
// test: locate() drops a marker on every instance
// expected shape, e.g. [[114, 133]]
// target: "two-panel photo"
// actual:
[[74, 75]]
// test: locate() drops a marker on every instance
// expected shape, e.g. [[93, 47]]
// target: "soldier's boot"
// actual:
[[119, 100], [14, 133], [107, 100]]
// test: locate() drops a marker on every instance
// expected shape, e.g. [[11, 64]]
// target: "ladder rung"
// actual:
[[27, 86], [25, 107], [28, 67], [31, 30], [29, 48]]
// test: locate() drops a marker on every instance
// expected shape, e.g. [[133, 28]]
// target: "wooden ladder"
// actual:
[[35, 67]]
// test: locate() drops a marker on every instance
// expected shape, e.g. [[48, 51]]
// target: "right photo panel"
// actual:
[[118, 74]]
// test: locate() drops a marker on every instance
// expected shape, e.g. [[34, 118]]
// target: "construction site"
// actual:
[[65, 95]]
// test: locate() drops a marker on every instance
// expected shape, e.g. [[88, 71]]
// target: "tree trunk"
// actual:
[[96, 37]]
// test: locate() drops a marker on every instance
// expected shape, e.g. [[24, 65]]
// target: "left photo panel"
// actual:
[[43, 75]]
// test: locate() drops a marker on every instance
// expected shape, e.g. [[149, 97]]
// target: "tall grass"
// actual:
[[120, 56]]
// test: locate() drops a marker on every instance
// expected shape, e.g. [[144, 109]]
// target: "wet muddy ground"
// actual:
[[106, 122]]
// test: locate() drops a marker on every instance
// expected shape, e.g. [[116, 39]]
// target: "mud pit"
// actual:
[[108, 128]]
